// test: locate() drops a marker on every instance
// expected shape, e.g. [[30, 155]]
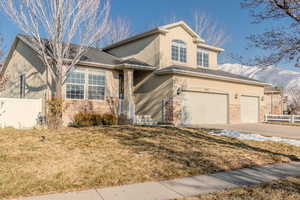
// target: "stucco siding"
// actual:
[[156, 49], [146, 50], [150, 94], [25, 61], [178, 33]]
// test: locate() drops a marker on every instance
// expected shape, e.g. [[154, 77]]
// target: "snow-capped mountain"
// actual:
[[274, 75]]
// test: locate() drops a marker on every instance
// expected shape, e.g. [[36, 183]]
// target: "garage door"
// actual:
[[249, 109], [205, 108]]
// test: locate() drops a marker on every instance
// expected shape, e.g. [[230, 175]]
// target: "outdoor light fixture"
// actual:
[[236, 96], [262, 98], [179, 91]]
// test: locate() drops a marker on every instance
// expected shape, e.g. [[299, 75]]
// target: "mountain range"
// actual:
[[270, 74]]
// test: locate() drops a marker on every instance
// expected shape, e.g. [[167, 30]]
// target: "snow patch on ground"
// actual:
[[255, 137]]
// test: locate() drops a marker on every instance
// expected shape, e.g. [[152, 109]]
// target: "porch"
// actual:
[[131, 77]]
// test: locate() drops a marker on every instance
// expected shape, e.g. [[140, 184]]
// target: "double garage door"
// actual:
[[212, 108]]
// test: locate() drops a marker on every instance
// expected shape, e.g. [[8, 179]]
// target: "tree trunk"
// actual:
[[58, 92], [55, 105]]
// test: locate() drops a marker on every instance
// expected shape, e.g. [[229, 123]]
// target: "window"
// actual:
[[202, 58], [22, 85], [96, 88], [179, 51], [86, 85], [75, 85]]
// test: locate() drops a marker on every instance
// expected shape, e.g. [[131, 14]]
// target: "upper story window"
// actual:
[[202, 58], [86, 85], [179, 51]]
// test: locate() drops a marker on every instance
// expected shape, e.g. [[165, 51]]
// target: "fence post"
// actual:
[[266, 118], [293, 119]]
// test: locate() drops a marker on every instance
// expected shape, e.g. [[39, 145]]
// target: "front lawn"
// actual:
[[47, 161], [287, 189]]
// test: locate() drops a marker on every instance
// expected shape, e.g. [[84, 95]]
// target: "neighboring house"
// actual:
[[275, 100], [168, 73]]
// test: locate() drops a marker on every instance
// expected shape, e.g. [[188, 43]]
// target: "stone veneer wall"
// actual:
[[234, 113], [172, 111], [72, 107]]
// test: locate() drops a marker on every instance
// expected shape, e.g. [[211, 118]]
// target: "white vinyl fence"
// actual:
[[20, 113], [283, 118]]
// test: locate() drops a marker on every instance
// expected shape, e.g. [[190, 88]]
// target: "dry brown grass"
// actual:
[[45, 161], [286, 189]]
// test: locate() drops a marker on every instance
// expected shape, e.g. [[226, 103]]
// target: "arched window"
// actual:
[[179, 50]]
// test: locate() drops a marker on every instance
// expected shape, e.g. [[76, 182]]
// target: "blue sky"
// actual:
[[145, 13]]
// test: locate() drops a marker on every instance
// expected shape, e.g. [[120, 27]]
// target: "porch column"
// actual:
[[128, 94]]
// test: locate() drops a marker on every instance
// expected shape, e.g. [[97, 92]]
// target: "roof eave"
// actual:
[[187, 28], [210, 76], [136, 37], [213, 48], [117, 66], [5, 63], [135, 66]]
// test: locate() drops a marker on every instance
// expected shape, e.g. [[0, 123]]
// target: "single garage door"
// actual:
[[249, 109], [205, 108]]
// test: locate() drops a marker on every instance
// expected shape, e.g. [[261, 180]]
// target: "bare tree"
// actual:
[[283, 39], [166, 20], [62, 22], [210, 30], [206, 27], [119, 29], [293, 99]]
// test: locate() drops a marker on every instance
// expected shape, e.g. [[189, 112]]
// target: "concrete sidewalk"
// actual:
[[184, 187], [291, 132]]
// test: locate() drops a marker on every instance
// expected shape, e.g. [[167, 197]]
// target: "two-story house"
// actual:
[[168, 73]]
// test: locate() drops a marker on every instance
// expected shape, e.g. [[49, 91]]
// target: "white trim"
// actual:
[[209, 47]]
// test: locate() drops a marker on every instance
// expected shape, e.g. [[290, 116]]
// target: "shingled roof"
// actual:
[[92, 54]]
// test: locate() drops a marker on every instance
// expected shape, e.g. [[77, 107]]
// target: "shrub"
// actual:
[[83, 119], [109, 119]]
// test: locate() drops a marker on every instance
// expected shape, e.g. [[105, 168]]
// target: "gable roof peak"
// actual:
[[186, 27], [160, 29]]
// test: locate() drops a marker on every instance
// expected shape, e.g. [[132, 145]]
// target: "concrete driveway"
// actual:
[[262, 129]]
